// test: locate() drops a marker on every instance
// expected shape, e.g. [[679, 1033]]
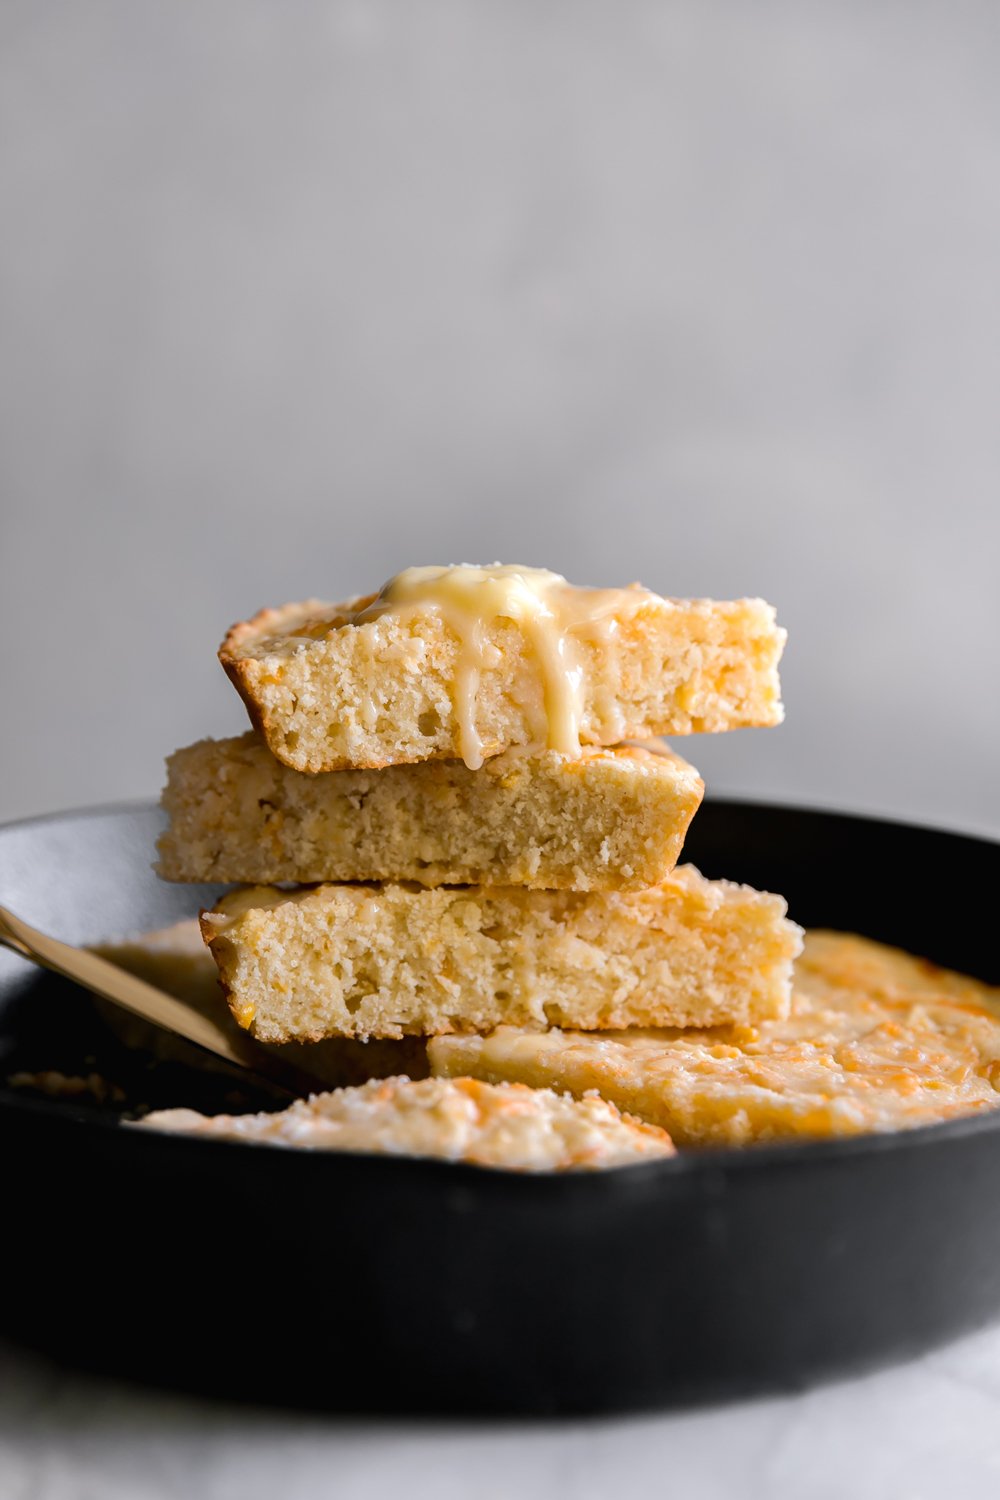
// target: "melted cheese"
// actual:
[[552, 615], [505, 1126]]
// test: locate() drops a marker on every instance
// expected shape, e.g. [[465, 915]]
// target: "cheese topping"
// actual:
[[504, 1126], [552, 615]]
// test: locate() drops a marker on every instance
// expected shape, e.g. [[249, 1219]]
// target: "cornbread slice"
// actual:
[[356, 960], [175, 959], [876, 1040], [507, 1125], [370, 683], [610, 819]]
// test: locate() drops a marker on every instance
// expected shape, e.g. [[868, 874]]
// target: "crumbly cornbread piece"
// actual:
[[608, 820], [356, 960], [876, 1040], [176, 960], [330, 688], [505, 1125]]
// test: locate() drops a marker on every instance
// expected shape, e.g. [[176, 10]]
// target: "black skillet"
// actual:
[[383, 1284]]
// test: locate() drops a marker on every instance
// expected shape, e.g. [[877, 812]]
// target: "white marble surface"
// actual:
[[924, 1431]]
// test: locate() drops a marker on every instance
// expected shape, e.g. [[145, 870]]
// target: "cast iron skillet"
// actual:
[[384, 1284]]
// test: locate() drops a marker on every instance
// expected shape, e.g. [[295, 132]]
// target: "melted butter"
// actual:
[[552, 615]]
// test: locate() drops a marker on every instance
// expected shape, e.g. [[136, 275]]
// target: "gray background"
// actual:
[[706, 294]]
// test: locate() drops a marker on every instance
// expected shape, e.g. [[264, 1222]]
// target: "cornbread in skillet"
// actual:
[[176, 960], [876, 1040], [355, 960], [460, 1120], [466, 662], [606, 820]]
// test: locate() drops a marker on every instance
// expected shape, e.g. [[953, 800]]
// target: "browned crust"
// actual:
[[235, 671], [273, 619], [209, 936]]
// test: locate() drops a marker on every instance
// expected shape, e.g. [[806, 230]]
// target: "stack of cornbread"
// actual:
[[461, 778]]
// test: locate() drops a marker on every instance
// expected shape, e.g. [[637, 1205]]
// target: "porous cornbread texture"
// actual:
[[876, 1040], [356, 960], [176, 960], [328, 694], [508, 1126], [609, 819]]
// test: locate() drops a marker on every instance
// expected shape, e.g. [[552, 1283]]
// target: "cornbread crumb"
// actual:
[[876, 1040], [612, 819], [461, 1120], [355, 960]]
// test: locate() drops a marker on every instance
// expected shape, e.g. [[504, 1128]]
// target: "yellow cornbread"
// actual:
[[876, 1040], [607, 820], [176, 960], [466, 662], [507, 1126], [356, 960]]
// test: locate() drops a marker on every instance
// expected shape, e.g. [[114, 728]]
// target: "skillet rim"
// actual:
[[771, 1156]]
